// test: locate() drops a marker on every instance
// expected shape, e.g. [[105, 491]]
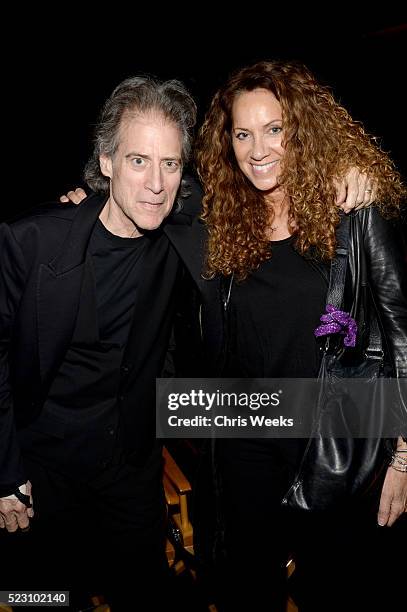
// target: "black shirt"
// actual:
[[274, 313], [116, 263]]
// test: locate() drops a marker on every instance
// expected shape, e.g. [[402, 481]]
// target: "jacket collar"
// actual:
[[73, 250]]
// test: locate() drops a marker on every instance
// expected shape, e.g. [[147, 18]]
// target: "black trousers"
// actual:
[[344, 561], [99, 535]]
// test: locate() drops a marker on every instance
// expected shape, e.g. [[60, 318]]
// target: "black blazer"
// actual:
[[44, 270]]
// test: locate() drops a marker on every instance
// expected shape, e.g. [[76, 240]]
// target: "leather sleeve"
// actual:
[[387, 272], [12, 281]]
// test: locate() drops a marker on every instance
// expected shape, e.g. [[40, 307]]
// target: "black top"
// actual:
[[273, 316], [116, 262]]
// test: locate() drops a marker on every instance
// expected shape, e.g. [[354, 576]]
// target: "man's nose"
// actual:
[[154, 179]]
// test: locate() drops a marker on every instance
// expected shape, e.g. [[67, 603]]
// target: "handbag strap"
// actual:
[[339, 264], [368, 308], [337, 278]]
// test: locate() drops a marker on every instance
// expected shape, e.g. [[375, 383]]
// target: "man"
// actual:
[[86, 304]]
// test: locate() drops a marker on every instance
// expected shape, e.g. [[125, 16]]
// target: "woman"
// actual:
[[270, 151]]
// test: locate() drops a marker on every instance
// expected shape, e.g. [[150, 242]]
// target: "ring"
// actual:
[[368, 190]]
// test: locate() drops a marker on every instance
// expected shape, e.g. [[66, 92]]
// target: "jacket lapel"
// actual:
[[59, 288], [189, 242]]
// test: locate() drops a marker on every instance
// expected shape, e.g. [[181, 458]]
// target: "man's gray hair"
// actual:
[[140, 94]]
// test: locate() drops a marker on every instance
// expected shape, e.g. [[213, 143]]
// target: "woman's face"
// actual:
[[257, 137]]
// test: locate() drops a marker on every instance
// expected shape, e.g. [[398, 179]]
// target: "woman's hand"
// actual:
[[355, 190], [393, 500], [75, 196]]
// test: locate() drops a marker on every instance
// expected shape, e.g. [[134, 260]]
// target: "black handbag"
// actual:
[[338, 471]]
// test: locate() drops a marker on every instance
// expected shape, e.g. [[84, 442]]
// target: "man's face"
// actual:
[[145, 173]]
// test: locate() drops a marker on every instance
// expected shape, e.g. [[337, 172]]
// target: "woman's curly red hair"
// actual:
[[321, 143]]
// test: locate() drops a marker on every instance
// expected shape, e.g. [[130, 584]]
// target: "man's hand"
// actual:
[[13, 513], [355, 190], [75, 196]]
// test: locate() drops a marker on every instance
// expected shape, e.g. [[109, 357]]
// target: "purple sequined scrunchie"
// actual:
[[338, 322]]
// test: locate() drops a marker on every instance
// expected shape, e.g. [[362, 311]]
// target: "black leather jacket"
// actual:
[[386, 278]]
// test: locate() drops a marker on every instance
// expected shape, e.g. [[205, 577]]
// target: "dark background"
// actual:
[[58, 73], [58, 68]]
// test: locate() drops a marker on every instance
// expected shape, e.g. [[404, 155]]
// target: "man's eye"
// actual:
[[171, 165], [138, 161]]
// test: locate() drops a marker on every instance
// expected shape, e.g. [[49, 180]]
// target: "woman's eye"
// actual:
[[241, 135], [276, 129]]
